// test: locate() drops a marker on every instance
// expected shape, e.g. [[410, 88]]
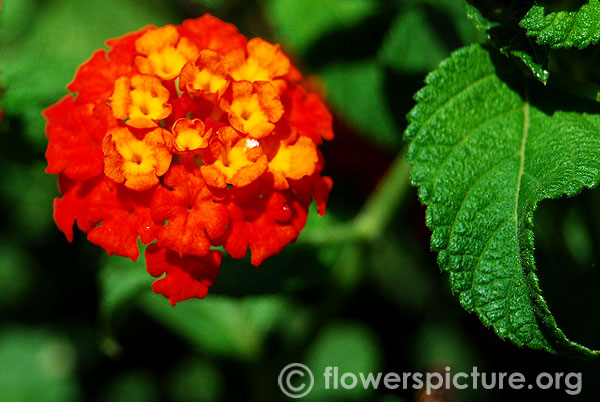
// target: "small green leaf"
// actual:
[[439, 26], [403, 46], [484, 153], [564, 24], [301, 22], [121, 280], [501, 27]]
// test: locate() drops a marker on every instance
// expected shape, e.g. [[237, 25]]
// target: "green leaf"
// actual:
[[500, 24], [484, 153], [220, 325], [357, 92], [403, 46], [121, 281], [564, 24], [447, 16], [301, 22]]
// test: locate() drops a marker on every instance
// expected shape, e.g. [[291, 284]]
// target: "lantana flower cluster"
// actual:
[[193, 139]]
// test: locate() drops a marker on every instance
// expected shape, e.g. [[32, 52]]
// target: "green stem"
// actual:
[[375, 215], [380, 207]]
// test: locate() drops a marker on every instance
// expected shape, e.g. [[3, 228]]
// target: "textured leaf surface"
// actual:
[[571, 23], [484, 153]]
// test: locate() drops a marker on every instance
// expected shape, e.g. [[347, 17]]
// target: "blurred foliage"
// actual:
[[77, 325]]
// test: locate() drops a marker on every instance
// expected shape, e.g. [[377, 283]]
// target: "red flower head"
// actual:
[[188, 137]]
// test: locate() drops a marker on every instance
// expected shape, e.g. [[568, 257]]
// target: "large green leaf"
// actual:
[[485, 150], [564, 24]]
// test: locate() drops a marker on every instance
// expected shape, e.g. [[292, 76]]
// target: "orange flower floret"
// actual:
[[290, 160], [207, 76], [165, 53], [264, 62], [254, 108], [136, 162], [188, 135], [233, 159], [140, 101]]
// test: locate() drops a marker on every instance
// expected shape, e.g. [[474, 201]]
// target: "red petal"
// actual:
[[265, 224], [71, 206], [309, 187], [123, 215], [307, 114], [186, 277], [193, 211], [209, 32], [75, 133]]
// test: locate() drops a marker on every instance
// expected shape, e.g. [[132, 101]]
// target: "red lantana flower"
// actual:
[[188, 138]]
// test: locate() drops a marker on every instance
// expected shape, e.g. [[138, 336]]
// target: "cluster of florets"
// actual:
[[189, 138]]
